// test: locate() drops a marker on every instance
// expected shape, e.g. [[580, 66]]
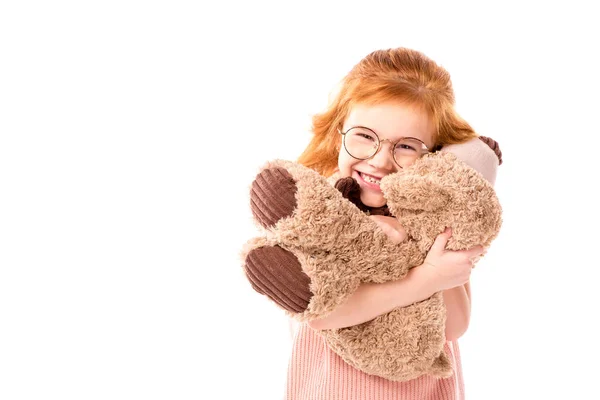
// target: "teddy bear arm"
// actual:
[[391, 261], [280, 191]]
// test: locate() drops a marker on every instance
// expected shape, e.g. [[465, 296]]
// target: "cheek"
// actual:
[[345, 164]]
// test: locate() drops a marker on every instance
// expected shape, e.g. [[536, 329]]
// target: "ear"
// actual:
[[406, 190]]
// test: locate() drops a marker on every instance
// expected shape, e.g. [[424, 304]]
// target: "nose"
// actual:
[[383, 159]]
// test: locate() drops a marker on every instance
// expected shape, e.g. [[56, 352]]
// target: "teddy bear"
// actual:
[[309, 225]]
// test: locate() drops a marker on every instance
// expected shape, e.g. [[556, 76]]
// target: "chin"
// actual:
[[372, 201]]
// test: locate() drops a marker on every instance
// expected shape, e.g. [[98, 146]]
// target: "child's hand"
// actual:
[[447, 269], [391, 227]]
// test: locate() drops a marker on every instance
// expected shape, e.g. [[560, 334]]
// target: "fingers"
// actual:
[[475, 254], [395, 236], [476, 251], [441, 240], [391, 227]]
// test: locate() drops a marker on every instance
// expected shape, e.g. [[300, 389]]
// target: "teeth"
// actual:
[[370, 179]]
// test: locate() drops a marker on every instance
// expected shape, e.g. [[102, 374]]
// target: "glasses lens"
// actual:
[[361, 143], [408, 150]]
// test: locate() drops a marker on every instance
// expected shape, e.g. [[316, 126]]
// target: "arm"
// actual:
[[443, 270], [458, 311], [373, 299]]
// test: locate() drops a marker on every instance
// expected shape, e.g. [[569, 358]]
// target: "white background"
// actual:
[[130, 133]]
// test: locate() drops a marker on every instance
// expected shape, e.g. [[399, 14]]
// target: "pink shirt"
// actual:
[[317, 373]]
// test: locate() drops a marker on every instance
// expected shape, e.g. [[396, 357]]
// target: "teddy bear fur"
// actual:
[[339, 247]]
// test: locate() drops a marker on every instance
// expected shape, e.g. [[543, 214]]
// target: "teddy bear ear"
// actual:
[[407, 191]]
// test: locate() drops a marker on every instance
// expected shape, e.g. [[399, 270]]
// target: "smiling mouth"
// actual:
[[370, 181]]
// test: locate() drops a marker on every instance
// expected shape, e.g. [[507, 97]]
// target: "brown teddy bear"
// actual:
[[309, 225]]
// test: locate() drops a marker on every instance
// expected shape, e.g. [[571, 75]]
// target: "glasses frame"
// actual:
[[424, 148]]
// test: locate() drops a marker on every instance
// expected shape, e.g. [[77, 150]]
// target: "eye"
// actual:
[[365, 135], [405, 147], [409, 147], [362, 135]]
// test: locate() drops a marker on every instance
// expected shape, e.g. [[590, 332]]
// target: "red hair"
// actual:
[[401, 75]]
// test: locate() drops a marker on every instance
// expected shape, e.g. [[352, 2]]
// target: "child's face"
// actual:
[[389, 121]]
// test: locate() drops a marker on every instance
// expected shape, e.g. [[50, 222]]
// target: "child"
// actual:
[[393, 107]]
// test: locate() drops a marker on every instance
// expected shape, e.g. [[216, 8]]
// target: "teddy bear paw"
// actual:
[[277, 274], [272, 196]]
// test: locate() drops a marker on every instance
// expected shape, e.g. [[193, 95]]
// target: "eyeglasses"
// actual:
[[362, 143]]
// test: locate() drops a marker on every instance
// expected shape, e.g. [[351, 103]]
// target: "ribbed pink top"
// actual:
[[317, 373]]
